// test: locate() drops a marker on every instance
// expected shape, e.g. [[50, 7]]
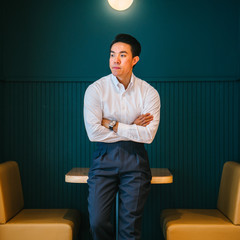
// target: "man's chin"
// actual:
[[115, 73]]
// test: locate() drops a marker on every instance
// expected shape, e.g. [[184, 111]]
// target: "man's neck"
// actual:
[[125, 80]]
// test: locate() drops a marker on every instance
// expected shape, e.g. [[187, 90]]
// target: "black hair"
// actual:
[[133, 42]]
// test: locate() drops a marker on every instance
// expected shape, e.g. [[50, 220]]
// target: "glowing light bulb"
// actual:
[[120, 5]]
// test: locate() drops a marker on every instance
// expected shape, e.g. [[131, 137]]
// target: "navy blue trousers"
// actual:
[[118, 167]]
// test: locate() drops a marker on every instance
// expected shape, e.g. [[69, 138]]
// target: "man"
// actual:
[[121, 113]]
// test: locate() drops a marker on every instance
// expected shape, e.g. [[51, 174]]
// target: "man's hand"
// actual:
[[143, 120], [105, 123]]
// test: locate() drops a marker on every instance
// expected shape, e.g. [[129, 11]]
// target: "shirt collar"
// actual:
[[117, 83]]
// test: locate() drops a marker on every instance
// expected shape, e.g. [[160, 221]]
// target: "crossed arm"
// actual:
[[142, 120]]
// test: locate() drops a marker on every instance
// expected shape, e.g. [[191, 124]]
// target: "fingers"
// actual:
[[144, 116], [147, 120], [105, 122], [144, 119]]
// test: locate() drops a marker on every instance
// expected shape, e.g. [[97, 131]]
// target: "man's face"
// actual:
[[121, 61]]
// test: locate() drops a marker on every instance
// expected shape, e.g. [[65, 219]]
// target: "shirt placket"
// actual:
[[123, 103], [124, 107]]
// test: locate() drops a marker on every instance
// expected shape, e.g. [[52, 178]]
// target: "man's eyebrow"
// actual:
[[119, 52]]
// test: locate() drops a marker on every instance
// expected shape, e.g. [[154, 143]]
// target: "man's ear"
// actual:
[[135, 60]]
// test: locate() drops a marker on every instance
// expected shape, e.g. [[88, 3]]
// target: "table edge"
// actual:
[[165, 179]]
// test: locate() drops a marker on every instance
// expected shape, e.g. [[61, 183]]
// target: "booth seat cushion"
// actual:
[[42, 224], [229, 192], [197, 224], [11, 195]]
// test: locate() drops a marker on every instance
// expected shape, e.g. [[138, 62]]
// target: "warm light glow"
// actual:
[[120, 5]]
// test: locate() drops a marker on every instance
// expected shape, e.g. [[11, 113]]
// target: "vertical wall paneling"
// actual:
[[1, 79], [199, 130], [1, 120]]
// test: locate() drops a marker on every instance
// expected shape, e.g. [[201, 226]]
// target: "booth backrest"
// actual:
[[229, 192], [11, 195]]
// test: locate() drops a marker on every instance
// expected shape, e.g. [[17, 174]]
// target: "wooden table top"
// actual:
[[80, 175]]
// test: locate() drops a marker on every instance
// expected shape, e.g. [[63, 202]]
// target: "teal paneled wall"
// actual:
[[51, 51], [1, 40], [199, 131], [1, 121], [238, 41], [1, 79]]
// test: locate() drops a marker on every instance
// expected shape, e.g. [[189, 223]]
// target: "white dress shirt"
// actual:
[[107, 98]]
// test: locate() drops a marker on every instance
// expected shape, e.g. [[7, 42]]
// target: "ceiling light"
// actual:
[[120, 5]]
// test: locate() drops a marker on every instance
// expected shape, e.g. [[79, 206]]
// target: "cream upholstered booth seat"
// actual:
[[222, 223], [17, 223]]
